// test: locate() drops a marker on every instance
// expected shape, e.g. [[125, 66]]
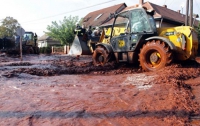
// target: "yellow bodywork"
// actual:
[[177, 35], [116, 32]]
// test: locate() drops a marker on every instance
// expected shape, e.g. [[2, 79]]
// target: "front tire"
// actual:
[[100, 56], [29, 50], [155, 55]]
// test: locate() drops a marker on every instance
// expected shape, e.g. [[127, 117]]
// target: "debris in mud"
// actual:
[[72, 66], [8, 75], [20, 64], [183, 96], [36, 71]]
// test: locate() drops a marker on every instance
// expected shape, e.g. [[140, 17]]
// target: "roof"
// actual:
[[166, 13], [97, 18], [160, 12], [44, 37]]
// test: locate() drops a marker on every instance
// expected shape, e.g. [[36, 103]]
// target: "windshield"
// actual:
[[139, 21], [27, 36]]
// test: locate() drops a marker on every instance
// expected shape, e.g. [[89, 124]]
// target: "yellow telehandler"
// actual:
[[138, 39]]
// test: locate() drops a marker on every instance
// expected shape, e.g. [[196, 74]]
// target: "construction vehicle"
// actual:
[[142, 41], [84, 44], [134, 37], [12, 46]]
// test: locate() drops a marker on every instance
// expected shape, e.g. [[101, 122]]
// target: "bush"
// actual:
[[45, 50], [41, 49]]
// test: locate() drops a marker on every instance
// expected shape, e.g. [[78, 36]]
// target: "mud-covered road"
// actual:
[[59, 90]]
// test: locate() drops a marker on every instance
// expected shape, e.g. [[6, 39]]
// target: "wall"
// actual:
[[42, 44], [46, 43]]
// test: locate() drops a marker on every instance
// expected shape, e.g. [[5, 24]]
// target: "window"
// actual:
[[98, 17], [27, 36], [152, 22], [139, 21], [122, 21]]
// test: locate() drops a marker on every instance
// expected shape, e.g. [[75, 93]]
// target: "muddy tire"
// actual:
[[29, 50], [100, 56], [155, 55], [36, 50]]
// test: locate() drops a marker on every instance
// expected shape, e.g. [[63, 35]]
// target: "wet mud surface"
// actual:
[[60, 90]]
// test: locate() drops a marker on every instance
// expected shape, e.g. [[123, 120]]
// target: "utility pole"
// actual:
[[191, 13], [20, 32], [182, 5], [186, 15], [141, 2], [21, 58]]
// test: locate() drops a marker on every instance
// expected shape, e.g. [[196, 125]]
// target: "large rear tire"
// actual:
[[155, 55], [100, 56], [29, 50], [36, 50]]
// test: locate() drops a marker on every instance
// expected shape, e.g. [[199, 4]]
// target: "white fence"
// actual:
[[60, 49]]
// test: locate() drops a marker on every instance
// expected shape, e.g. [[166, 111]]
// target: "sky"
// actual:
[[36, 15]]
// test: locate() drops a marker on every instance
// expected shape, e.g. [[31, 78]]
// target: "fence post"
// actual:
[[65, 50], [52, 49]]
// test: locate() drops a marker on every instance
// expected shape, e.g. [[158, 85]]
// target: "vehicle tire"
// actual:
[[29, 50], [155, 55], [37, 50], [100, 56]]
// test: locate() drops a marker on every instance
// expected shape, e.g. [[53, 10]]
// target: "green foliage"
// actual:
[[64, 30], [8, 27], [45, 50], [81, 22], [198, 31], [41, 49]]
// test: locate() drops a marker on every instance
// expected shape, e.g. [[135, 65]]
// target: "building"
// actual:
[[99, 17], [166, 17], [163, 16], [45, 41]]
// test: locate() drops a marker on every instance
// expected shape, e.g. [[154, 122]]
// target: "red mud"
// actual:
[[60, 90]]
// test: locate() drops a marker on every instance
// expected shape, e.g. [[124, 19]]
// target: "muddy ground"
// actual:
[[60, 90]]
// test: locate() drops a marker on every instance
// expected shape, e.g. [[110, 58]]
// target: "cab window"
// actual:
[[139, 21], [27, 36], [122, 22]]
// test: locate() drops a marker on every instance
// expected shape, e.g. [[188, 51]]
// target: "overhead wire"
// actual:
[[69, 11]]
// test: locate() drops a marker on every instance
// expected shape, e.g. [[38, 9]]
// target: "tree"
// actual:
[[8, 27], [64, 30], [198, 31]]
